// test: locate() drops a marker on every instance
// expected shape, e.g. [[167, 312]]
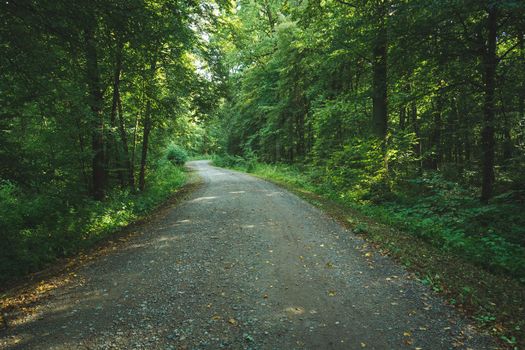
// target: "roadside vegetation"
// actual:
[[101, 104], [38, 229]]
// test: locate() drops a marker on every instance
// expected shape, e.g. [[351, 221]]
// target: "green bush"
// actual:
[[176, 154]]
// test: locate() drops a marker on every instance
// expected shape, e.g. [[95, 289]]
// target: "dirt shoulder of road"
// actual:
[[496, 303]]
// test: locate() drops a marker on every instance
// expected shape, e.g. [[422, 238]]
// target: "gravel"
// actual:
[[242, 264]]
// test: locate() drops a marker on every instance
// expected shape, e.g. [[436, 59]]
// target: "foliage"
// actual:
[[42, 228], [92, 93], [410, 111], [176, 154]]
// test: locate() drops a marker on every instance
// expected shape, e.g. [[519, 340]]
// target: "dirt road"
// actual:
[[242, 264]]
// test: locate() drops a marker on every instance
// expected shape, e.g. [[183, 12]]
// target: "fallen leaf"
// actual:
[[332, 293], [232, 321]]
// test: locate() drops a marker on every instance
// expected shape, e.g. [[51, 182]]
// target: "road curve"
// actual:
[[242, 264]]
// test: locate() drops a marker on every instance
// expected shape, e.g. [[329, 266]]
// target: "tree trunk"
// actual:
[[435, 140], [112, 148], [487, 134], [117, 105], [402, 117], [125, 148], [96, 104], [521, 97], [415, 125], [147, 124], [145, 141], [379, 84]]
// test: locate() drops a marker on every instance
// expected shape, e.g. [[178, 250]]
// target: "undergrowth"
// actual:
[[39, 228]]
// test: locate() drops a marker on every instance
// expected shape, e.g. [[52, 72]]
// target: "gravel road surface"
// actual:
[[242, 264]]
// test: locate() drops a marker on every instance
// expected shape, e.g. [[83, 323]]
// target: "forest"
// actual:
[[409, 112], [100, 102]]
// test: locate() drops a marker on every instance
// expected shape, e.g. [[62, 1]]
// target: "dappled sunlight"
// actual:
[[200, 199], [294, 310], [275, 193], [169, 238], [237, 192]]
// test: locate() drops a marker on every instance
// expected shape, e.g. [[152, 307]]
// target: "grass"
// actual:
[[494, 299]]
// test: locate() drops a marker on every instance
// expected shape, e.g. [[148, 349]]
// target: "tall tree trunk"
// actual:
[[147, 124], [145, 143], [301, 129], [415, 125], [96, 104], [402, 117], [521, 97], [125, 148], [487, 134], [435, 139], [379, 83], [117, 106], [134, 146], [507, 137], [112, 148]]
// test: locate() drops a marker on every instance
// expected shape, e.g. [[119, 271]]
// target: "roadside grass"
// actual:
[[494, 299], [63, 228]]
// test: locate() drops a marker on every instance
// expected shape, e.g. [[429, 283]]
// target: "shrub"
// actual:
[[176, 154]]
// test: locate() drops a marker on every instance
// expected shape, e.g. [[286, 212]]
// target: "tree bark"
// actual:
[[415, 125], [125, 148], [147, 124], [521, 98], [112, 148], [96, 104], [487, 135], [402, 117], [145, 143], [435, 140], [379, 84]]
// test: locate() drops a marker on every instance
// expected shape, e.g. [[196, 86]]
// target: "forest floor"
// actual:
[[241, 264]]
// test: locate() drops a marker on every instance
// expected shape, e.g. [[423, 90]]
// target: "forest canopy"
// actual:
[[414, 108]]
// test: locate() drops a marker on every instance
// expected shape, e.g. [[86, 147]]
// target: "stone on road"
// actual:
[[242, 264]]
